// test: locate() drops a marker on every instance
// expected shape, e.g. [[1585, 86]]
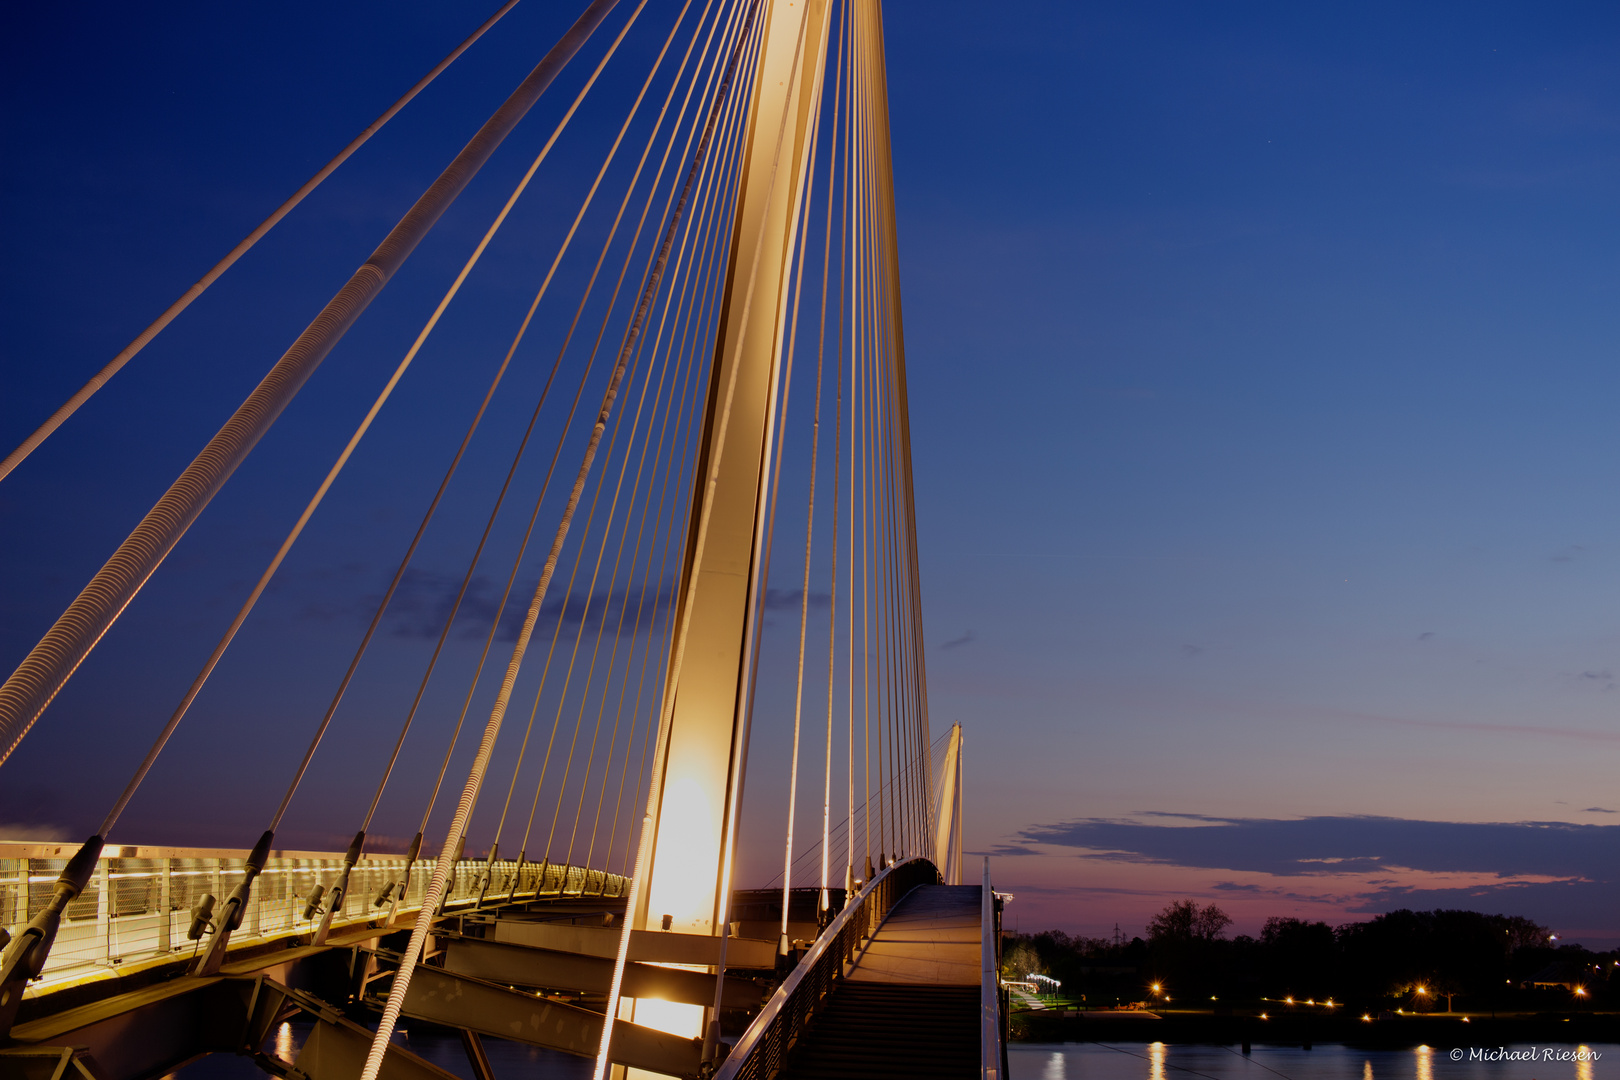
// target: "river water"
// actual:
[[1059, 1061], [1161, 1061]]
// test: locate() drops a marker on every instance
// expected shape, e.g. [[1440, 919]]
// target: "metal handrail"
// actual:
[[138, 903], [762, 1051], [990, 1033]]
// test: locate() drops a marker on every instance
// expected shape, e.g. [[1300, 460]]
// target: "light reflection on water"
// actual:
[[1161, 1061], [508, 1060]]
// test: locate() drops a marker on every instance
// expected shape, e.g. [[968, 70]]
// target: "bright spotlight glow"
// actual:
[[671, 1016], [688, 841]]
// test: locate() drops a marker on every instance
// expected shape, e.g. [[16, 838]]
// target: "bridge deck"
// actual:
[[931, 938], [910, 1006]]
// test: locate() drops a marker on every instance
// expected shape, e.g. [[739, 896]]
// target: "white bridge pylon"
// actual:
[[689, 834]]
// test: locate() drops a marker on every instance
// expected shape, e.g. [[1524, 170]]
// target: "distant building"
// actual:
[[1560, 973]]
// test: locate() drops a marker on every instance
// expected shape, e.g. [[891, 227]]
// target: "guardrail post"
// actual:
[[165, 922], [104, 914], [256, 921]]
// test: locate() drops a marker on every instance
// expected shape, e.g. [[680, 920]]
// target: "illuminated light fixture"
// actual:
[[1288, 1000], [1465, 1019], [673, 1017], [1367, 1017], [1263, 1016]]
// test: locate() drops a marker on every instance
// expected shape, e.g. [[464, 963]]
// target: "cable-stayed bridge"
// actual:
[[699, 516]]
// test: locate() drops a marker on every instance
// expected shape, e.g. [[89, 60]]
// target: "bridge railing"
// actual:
[[762, 1051], [137, 906], [992, 995]]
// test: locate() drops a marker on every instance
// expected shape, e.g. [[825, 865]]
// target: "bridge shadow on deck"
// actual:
[[910, 1005]]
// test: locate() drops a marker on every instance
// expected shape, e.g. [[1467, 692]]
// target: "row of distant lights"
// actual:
[[1328, 1004], [1422, 991]]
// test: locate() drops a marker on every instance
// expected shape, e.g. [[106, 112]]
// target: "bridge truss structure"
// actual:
[[687, 472]]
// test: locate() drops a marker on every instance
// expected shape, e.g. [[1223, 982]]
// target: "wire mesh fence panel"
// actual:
[[139, 904]]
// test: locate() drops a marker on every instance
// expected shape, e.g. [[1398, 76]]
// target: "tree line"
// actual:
[[1413, 960]]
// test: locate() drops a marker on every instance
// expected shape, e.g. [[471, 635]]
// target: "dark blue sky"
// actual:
[[1262, 364]]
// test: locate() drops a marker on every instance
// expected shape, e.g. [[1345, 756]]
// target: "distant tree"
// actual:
[[1522, 933], [1020, 959], [1300, 957], [1184, 920]]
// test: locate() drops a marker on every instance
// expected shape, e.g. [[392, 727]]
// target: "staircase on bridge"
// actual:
[[910, 1004]]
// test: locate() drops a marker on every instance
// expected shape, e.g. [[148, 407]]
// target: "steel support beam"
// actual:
[[49, 1063], [520, 965], [457, 1001], [473, 1043], [649, 946], [336, 1050]]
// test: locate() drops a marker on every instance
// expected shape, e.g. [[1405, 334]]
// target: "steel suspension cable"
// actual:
[[651, 141], [667, 438], [415, 347], [673, 301], [562, 701], [813, 850], [711, 258], [402, 978], [702, 199], [89, 389], [331, 477], [804, 588], [555, 725], [821, 350], [48, 666], [740, 734], [702, 329], [555, 458], [669, 408]]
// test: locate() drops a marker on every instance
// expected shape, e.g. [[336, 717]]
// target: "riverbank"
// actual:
[[1303, 1029]]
